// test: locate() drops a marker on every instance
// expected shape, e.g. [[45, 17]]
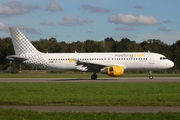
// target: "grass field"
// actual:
[[13, 114], [109, 94]]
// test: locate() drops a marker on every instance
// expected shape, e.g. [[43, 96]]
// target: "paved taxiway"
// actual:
[[116, 80], [123, 109]]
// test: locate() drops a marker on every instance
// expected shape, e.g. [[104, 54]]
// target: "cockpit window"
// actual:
[[162, 58]]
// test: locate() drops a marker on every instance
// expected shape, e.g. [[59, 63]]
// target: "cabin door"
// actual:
[[151, 59]]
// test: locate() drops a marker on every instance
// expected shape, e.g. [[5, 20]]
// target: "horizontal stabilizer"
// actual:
[[16, 58]]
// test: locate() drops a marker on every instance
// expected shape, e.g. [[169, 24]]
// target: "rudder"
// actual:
[[21, 44]]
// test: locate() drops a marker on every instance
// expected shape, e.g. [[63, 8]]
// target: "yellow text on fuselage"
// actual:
[[139, 55]]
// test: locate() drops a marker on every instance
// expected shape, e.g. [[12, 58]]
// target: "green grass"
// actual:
[[14, 114], [76, 75], [109, 94]]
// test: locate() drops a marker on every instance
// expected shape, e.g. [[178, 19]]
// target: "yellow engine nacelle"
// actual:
[[116, 71]]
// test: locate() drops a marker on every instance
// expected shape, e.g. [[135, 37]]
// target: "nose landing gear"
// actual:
[[150, 75]]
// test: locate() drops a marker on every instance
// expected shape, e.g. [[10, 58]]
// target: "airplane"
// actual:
[[110, 63]]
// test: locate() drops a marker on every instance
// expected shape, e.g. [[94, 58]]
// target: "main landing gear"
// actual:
[[150, 75], [94, 76]]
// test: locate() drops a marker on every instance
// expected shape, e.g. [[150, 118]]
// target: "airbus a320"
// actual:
[[112, 64]]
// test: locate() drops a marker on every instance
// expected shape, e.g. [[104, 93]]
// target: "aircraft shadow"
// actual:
[[81, 79]]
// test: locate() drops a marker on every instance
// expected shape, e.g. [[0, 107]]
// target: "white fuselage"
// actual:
[[128, 60]]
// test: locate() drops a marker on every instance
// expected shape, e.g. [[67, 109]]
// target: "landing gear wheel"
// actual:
[[150, 75], [94, 76]]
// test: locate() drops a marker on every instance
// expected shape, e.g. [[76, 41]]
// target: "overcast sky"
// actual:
[[79, 20]]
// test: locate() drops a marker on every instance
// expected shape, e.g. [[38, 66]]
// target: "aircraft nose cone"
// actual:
[[171, 64]]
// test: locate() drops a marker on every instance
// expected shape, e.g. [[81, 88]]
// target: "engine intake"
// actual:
[[116, 71]]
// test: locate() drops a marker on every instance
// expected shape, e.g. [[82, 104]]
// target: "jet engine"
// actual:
[[116, 71]]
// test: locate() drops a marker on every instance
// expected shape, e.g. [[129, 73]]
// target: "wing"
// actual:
[[88, 66], [94, 67]]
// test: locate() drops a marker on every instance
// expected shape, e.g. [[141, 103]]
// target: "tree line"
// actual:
[[107, 45]]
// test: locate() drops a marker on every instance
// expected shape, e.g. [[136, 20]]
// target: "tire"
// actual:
[[93, 77], [150, 77]]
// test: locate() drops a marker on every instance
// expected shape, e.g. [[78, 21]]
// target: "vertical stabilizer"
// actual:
[[21, 44]]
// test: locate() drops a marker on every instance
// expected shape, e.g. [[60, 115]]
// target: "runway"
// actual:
[[85, 80], [122, 109]]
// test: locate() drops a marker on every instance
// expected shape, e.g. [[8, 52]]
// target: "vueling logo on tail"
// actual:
[[21, 44], [25, 52], [20, 37]]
